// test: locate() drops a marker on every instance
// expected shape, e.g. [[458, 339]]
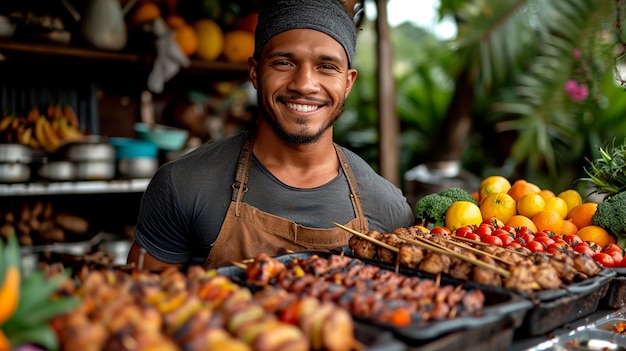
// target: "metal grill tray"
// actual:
[[502, 309], [594, 336]]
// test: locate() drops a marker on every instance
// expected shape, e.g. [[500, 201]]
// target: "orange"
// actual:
[[548, 220], [582, 214], [462, 213], [572, 198], [569, 228], [518, 221], [175, 21], [210, 39], [238, 46], [187, 39], [521, 187], [557, 205], [596, 234], [145, 11], [530, 204], [493, 184], [498, 205], [545, 193]]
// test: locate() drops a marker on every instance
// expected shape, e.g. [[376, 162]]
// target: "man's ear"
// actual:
[[252, 72], [352, 74]]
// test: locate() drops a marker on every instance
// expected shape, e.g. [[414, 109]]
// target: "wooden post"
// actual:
[[389, 126]]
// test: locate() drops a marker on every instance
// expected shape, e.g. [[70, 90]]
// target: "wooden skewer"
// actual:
[[479, 252], [480, 243], [240, 264], [502, 272]]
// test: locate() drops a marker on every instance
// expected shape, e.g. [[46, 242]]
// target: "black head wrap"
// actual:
[[327, 16]]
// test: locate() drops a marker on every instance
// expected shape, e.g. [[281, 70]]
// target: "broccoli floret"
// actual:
[[431, 209], [458, 194], [611, 215]]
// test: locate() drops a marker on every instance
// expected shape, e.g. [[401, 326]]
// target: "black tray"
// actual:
[[616, 295], [581, 287], [502, 309]]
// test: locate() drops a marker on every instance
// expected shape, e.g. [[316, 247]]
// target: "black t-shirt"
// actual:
[[186, 201]]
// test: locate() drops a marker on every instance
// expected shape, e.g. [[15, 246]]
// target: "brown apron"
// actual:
[[247, 231]]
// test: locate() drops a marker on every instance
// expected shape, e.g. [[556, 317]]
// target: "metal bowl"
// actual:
[[14, 172], [16, 153], [57, 170], [87, 151], [139, 167]]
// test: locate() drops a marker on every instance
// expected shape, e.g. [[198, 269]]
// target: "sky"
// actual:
[[421, 12]]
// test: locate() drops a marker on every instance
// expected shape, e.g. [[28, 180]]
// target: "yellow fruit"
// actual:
[[521, 187], [557, 205], [492, 185], [545, 193], [462, 213], [596, 234], [582, 214], [518, 221], [572, 198], [210, 39], [186, 39], [569, 227], [548, 220], [530, 204], [238, 46], [499, 205]]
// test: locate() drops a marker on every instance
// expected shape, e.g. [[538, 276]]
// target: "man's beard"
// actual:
[[296, 139]]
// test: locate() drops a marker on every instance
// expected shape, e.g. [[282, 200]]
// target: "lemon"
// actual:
[[462, 213], [210, 39]]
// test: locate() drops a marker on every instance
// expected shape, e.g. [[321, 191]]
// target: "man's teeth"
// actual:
[[302, 108]]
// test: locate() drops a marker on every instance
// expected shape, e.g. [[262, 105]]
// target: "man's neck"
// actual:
[[301, 166]]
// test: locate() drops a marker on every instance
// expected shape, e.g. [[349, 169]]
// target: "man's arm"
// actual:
[[143, 260]]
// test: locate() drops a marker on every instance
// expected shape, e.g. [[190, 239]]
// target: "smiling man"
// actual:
[[282, 185]]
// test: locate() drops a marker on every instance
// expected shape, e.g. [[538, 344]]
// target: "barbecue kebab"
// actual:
[[526, 271]]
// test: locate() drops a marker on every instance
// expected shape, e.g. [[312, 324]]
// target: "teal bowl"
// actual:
[[126, 148], [165, 137]]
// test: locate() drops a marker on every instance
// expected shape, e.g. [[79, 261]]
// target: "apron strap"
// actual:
[[355, 195], [241, 176]]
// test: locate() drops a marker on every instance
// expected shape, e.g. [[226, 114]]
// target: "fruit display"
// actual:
[[520, 214], [42, 130], [206, 30]]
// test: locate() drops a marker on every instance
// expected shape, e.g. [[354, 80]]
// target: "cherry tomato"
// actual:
[[535, 246], [527, 237], [546, 241], [515, 245], [572, 239], [462, 231], [493, 222], [524, 230], [617, 256], [604, 259], [613, 247], [583, 248], [483, 230], [558, 246], [440, 230], [541, 234], [492, 239], [506, 239], [595, 247], [472, 236], [509, 229]]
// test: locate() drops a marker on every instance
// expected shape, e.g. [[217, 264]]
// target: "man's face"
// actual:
[[302, 81]]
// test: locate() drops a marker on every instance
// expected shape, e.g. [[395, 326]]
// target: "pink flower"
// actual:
[[577, 92], [576, 54]]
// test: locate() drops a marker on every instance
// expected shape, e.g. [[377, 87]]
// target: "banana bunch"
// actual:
[[43, 131]]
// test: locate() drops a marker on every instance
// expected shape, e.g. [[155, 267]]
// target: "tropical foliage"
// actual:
[[535, 79]]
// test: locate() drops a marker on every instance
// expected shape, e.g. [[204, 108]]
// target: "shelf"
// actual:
[[10, 50], [78, 187]]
